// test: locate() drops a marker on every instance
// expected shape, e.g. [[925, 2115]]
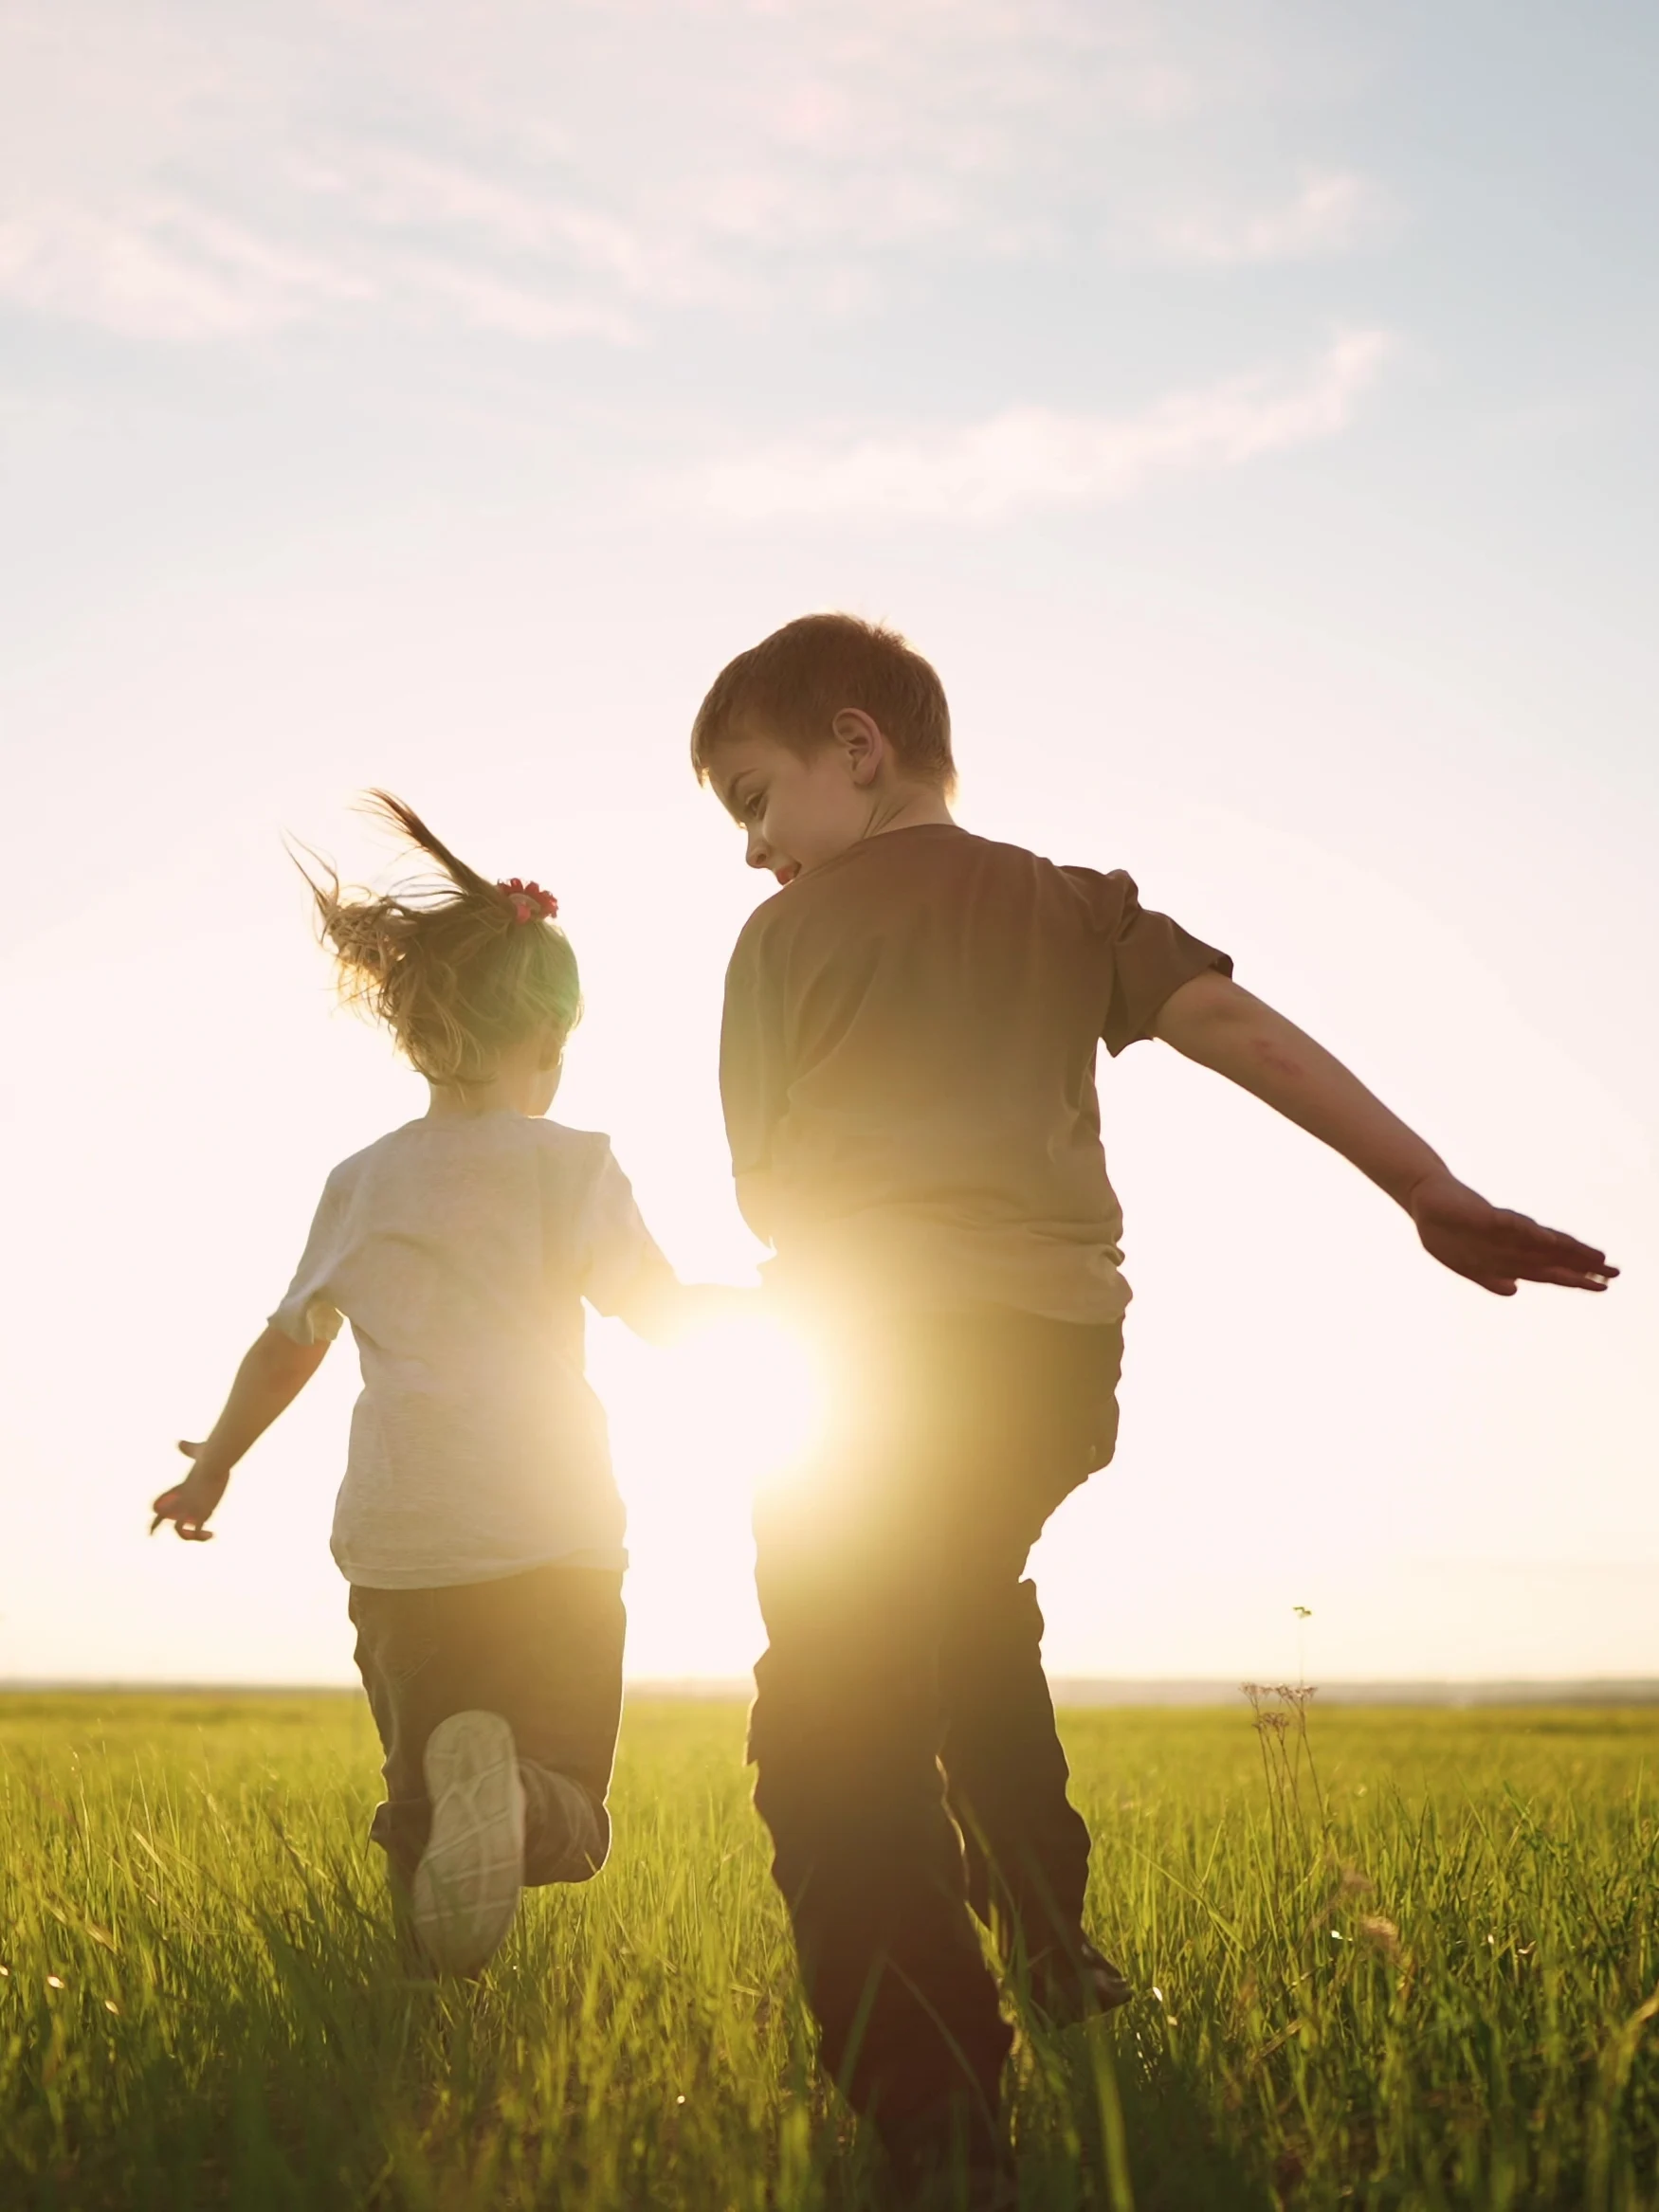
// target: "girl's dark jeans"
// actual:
[[544, 1650], [902, 1733]]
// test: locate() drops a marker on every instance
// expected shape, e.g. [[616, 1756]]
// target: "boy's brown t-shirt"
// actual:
[[907, 1067]]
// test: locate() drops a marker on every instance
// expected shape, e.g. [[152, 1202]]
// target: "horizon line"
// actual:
[[1076, 1691]]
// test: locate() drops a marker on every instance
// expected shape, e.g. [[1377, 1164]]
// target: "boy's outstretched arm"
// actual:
[[1212, 1020], [272, 1375]]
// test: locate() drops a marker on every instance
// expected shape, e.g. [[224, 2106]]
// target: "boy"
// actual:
[[907, 1070]]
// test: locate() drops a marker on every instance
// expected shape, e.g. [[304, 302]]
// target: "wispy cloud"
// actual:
[[1332, 211], [173, 173], [163, 269], [455, 292], [1037, 457]]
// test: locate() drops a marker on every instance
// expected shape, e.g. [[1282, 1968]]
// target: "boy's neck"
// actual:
[[908, 807]]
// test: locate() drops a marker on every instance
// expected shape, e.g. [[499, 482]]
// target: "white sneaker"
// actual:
[[466, 1888]]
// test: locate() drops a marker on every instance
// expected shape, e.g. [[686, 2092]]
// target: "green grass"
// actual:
[[1446, 1998]]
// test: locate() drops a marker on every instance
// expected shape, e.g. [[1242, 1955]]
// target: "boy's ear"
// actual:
[[862, 744]]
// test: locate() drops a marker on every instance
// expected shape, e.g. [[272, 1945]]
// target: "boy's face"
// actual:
[[797, 812]]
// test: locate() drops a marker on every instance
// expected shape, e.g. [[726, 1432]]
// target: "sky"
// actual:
[[1251, 410]]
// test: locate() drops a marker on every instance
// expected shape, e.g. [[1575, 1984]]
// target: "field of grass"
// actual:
[[1434, 1982]]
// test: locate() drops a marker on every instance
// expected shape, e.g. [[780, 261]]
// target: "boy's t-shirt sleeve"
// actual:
[[1151, 955], [614, 1244], [308, 1313]]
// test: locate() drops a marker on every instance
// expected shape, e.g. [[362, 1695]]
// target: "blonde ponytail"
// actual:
[[458, 969]]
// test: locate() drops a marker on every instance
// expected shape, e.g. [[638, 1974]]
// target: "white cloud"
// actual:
[[193, 174], [518, 223], [1333, 212], [487, 302], [1035, 457], [163, 269]]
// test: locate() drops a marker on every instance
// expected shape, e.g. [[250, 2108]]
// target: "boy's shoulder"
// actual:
[[938, 861]]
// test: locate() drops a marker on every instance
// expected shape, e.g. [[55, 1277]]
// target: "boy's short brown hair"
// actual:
[[796, 681]]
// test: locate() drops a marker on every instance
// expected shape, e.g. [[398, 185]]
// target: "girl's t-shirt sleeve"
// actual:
[[308, 1312], [614, 1244]]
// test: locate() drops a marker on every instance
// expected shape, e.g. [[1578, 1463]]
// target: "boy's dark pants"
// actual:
[[544, 1650], [904, 1685]]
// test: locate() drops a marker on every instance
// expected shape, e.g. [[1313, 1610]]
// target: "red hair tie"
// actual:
[[529, 900]]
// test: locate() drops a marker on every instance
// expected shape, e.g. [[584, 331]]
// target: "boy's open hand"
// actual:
[[1212, 1020], [189, 1502], [1496, 1248]]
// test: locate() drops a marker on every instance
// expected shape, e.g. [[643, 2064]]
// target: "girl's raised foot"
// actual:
[[466, 1888]]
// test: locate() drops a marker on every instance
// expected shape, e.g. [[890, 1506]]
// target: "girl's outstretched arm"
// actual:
[[1212, 1020], [272, 1375], [662, 1309]]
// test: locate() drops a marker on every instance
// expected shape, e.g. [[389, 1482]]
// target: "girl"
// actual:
[[478, 1523]]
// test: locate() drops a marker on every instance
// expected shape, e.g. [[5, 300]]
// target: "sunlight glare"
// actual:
[[740, 1400], [695, 1430]]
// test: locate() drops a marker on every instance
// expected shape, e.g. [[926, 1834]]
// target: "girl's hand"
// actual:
[[189, 1502], [1496, 1248], [271, 1376]]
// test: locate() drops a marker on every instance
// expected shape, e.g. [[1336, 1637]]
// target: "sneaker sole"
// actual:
[[466, 1888]]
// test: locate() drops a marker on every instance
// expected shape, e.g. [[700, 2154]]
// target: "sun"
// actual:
[[695, 1431]]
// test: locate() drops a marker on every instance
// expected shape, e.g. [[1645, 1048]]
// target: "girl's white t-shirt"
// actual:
[[461, 1250]]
